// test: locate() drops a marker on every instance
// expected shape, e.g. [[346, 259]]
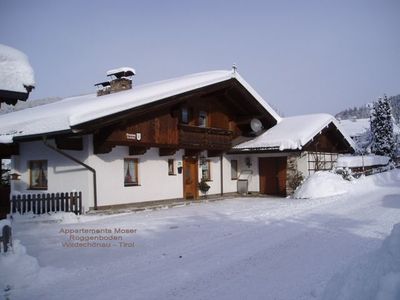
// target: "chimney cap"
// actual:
[[103, 84], [121, 72]]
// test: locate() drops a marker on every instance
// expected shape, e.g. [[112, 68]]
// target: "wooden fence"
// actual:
[[45, 203]]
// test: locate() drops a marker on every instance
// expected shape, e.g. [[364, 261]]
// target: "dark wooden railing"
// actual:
[[207, 138], [45, 203]]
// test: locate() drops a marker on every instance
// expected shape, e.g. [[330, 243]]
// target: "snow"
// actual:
[[241, 248], [15, 70], [373, 276], [355, 127], [64, 114], [322, 184], [292, 133], [347, 161], [122, 69], [3, 223], [358, 127]]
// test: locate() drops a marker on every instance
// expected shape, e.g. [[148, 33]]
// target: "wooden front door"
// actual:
[[190, 177], [272, 172]]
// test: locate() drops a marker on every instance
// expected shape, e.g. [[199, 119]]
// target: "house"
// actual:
[[132, 144], [360, 131], [16, 76]]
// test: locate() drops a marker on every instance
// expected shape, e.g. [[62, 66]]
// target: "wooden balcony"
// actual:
[[194, 137]]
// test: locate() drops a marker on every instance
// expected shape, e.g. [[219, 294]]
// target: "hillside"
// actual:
[[362, 112]]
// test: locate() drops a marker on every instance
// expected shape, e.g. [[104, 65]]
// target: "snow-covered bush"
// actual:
[[345, 172], [295, 179]]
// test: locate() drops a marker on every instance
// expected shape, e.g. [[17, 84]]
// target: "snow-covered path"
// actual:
[[244, 248]]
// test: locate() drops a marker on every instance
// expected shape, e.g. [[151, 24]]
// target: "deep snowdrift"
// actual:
[[322, 184]]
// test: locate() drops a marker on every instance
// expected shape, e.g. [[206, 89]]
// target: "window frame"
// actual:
[[203, 115], [185, 112], [136, 170], [30, 165], [208, 164], [236, 169], [171, 161]]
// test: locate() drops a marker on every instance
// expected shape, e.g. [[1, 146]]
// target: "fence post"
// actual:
[[12, 204], [67, 204], [80, 202]]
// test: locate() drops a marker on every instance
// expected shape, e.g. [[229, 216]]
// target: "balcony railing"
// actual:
[[204, 137]]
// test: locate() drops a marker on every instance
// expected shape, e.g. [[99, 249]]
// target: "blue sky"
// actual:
[[301, 56]]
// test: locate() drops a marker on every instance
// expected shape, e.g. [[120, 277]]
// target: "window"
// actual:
[[185, 115], [318, 161], [38, 174], [171, 167], [234, 169], [202, 118], [206, 170], [131, 171]]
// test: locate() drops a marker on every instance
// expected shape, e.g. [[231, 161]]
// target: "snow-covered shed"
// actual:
[[16, 75], [293, 149]]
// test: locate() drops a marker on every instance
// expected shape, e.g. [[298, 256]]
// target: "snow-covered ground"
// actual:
[[243, 248]]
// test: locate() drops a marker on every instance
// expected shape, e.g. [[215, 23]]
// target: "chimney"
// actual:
[[121, 80]]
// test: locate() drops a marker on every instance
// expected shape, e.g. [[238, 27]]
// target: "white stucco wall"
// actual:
[[63, 175], [154, 181], [302, 164], [215, 172]]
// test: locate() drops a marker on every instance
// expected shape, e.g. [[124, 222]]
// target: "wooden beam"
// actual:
[[102, 148], [214, 153], [69, 143], [135, 150], [166, 151], [6, 150], [192, 152]]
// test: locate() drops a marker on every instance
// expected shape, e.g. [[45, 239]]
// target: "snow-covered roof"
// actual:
[[119, 70], [359, 161], [358, 127], [292, 133], [355, 127], [15, 70], [64, 114]]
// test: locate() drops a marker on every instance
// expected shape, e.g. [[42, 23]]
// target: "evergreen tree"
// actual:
[[383, 142]]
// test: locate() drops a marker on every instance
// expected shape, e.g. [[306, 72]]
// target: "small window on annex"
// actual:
[[171, 167], [206, 170], [38, 174], [234, 169], [202, 118], [131, 172]]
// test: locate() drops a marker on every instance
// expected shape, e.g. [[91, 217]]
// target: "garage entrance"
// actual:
[[272, 172]]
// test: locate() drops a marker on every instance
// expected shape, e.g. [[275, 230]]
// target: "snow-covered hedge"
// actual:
[[347, 161]]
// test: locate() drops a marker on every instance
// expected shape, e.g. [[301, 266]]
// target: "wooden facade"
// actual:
[[330, 139], [207, 120]]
